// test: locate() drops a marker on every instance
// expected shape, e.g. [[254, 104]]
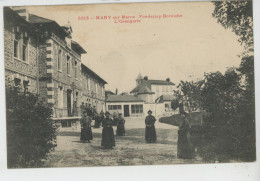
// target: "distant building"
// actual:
[[41, 57], [153, 93], [150, 90], [166, 100], [128, 105], [108, 93]]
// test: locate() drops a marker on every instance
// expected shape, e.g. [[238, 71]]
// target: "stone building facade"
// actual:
[[20, 52], [42, 57]]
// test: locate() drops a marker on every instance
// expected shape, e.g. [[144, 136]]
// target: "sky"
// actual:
[[182, 48]]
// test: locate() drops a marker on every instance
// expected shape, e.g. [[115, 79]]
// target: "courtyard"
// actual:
[[130, 149]]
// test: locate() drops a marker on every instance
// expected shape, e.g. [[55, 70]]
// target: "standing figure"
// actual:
[[120, 131], [86, 132], [97, 120], [102, 117], [108, 140], [115, 119], [185, 146], [150, 133]]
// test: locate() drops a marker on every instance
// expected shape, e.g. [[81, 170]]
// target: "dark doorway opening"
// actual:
[[69, 102], [126, 111]]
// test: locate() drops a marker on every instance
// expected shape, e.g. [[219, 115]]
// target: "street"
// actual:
[[130, 149]]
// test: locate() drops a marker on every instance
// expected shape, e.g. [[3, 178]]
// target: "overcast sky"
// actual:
[[179, 48]]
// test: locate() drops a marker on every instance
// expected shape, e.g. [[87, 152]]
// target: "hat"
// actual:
[[107, 113], [150, 111]]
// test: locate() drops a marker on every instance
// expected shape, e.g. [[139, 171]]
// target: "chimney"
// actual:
[[168, 79], [145, 78], [22, 12], [116, 91]]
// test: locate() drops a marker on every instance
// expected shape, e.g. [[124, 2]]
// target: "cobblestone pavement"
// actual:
[[130, 149]]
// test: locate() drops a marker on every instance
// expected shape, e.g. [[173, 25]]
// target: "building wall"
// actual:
[[161, 90], [44, 77], [122, 108], [158, 109], [15, 68]]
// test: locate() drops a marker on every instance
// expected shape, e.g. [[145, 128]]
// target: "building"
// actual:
[[154, 94], [150, 90], [42, 57], [20, 52], [128, 105]]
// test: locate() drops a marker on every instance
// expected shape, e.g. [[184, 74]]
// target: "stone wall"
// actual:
[[15, 68]]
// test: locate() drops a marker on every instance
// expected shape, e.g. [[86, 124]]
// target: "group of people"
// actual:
[[108, 140], [185, 146]]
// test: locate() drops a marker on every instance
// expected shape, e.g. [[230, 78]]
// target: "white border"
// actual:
[[200, 172]]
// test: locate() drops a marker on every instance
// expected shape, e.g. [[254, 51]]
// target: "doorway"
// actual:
[[126, 111], [69, 102]]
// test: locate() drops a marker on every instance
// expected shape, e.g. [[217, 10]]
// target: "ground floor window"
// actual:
[[114, 107], [137, 108]]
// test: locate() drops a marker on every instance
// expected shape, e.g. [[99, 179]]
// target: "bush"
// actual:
[[31, 134]]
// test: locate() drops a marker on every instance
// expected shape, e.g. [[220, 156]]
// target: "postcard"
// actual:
[[129, 84]]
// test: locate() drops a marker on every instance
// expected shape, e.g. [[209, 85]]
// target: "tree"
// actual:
[[31, 133], [238, 16]]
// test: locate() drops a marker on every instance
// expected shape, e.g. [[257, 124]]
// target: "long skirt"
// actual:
[[186, 149], [97, 123], [150, 134], [108, 140], [120, 131], [86, 134]]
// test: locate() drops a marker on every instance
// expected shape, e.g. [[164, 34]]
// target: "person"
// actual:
[[86, 132], [185, 148], [150, 133], [108, 140], [102, 117], [97, 120], [115, 119], [120, 131]]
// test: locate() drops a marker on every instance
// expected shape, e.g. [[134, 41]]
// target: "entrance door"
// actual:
[[69, 102], [126, 111]]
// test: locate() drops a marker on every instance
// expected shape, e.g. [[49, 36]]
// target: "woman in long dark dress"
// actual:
[[150, 133], [108, 140], [86, 132], [97, 120], [120, 131], [186, 149]]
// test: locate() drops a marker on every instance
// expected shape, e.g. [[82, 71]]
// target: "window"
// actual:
[[114, 107], [75, 66], [59, 60], [157, 89], [17, 82], [21, 46], [68, 65], [137, 108], [60, 97], [88, 84], [25, 86]]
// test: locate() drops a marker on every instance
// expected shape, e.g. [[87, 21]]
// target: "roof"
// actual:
[[75, 46], [160, 82], [37, 19], [12, 16], [145, 86], [123, 98], [91, 72], [164, 98], [142, 88]]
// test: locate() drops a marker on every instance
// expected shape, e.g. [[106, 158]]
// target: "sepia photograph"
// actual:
[[129, 84]]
